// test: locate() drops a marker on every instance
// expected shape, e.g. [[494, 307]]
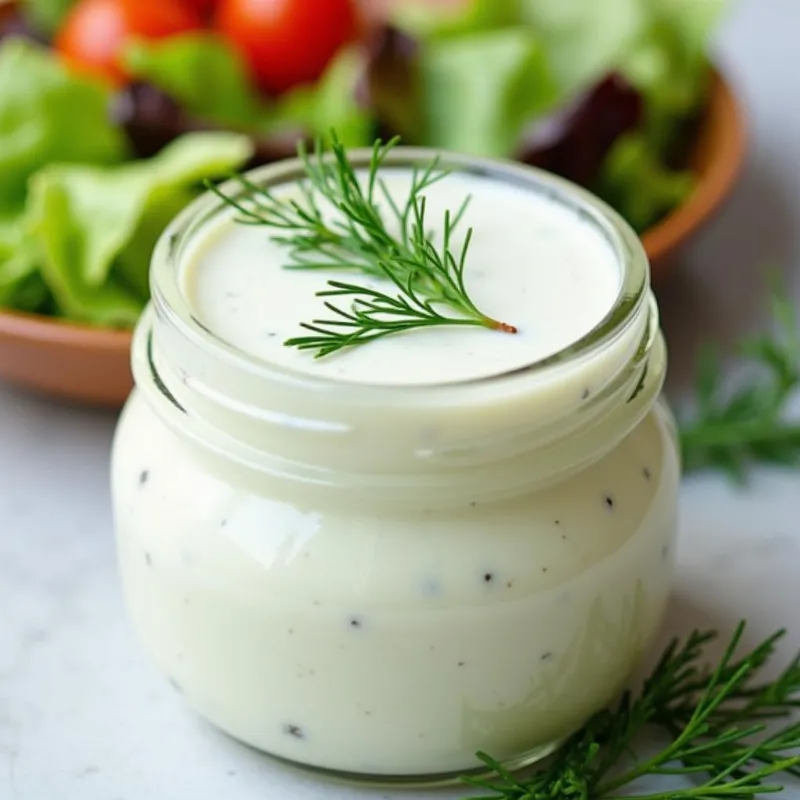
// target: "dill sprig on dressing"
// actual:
[[425, 280], [718, 741]]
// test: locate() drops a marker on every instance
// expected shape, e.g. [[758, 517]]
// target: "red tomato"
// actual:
[[94, 32], [287, 42]]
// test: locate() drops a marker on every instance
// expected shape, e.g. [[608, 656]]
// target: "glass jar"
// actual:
[[379, 581]]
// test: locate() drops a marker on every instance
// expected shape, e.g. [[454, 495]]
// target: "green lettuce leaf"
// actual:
[[673, 47], [638, 185], [584, 40], [62, 235], [97, 225], [19, 264], [47, 115], [668, 63], [204, 73], [434, 20], [47, 15], [330, 103], [32, 294], [693, 21], [481, 90]]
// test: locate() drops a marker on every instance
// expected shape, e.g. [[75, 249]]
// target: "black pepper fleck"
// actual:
[[557, 521], [294, 730], [355, 622], [175, 685], [546, 656], [509, 584], [473, 503], [461, 663], [143, 476], [647, 474], [148, 559], [609, 501], [488, 577], [544, 569], [585, 394], [271, 334]]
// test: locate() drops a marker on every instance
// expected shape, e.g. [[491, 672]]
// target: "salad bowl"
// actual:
[[89, 365]]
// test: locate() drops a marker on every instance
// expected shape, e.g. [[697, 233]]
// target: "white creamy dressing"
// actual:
[[386, 641], [403, 644], [532, 263]]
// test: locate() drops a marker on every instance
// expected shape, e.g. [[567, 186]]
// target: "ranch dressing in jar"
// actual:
[[378, 562], [532, 262]]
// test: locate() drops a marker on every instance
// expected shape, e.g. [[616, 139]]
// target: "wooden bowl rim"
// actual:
[[39, 328], [658, 241]]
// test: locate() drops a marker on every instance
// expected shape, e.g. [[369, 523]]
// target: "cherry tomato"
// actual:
[[287, 42], [94, 32]]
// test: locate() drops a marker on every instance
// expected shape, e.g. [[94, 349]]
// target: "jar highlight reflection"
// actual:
[[381, 581]]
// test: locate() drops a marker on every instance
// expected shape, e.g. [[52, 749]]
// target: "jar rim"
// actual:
[[172, 305]]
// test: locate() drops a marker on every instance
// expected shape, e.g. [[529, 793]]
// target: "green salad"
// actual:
[[99, 150], [79, 215]]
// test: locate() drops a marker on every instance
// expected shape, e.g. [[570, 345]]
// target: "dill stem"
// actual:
[[496, 325]]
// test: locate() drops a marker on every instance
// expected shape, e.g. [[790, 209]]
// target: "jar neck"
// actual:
[[499, 438], [427, 445]]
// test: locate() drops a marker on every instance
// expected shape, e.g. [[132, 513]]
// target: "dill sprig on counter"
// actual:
[[715, 721], [732, 430], [425, 279]]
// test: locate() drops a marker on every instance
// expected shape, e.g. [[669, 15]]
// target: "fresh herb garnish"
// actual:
[[731, 430], [716, 723], [425, 278]]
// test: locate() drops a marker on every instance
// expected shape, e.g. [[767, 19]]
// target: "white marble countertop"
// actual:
[[82, 714]]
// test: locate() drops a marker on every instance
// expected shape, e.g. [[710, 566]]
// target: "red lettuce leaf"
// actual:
[[574, 141]]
